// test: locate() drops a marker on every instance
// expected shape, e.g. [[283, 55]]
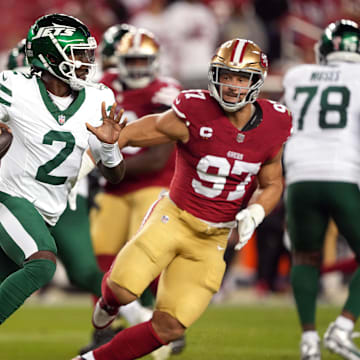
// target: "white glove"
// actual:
[[248, 220]]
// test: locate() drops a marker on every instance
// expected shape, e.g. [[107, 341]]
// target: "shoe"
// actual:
[[103, 314], [100, 337], [339, 341], [178, 345], [310, 349]]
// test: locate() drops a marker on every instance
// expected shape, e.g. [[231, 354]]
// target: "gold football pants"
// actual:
[[187, 252]]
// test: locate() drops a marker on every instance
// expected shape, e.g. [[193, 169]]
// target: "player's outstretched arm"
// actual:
[[263, 200], [104, 144], [154, 129]]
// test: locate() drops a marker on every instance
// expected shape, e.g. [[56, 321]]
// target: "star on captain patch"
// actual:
[[61, 119], [240, 138]]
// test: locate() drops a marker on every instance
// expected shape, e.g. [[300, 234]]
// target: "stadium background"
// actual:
[[249, 319]]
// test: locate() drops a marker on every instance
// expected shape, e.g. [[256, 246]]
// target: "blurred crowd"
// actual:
[[189, 32]]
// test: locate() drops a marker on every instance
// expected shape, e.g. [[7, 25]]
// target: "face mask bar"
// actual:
[[255, 82], [137, 76], [84, 51]]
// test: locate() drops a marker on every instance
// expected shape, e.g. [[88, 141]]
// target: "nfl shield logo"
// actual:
[[240, 138], [61, 119]]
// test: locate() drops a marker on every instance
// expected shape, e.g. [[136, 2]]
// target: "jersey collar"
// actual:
[[61, 116]]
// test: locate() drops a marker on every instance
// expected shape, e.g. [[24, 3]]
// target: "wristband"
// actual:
[[110, 155]]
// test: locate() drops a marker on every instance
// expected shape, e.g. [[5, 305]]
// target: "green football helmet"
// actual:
[[61, 44], [339, 42], [109, 43], [17, 58]]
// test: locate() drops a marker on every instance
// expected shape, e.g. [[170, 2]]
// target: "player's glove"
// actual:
[[247, 221]]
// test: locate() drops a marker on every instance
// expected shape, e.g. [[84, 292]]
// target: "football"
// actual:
[[5, 141]]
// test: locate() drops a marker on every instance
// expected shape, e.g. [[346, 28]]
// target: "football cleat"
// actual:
[[310, 349], [178, 345], [99, 337], [339, 341], [103, 314]]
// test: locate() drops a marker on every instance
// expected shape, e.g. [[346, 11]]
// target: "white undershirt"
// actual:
[[62, 102]]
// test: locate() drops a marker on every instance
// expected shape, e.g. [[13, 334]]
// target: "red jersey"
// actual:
[[156, 97], [215, 173]]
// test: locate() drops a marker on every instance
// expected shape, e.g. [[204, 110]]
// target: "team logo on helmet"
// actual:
[[264, 60], [56, 30]]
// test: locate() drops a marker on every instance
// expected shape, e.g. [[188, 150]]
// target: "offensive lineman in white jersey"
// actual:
[[49, 112], [322, 170]]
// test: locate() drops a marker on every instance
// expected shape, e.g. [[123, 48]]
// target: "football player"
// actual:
[[139, 90], [48, 111], [228, 144], [322, 176]]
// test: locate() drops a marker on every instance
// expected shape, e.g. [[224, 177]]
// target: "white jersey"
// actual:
[[44, 159], [325, 104]]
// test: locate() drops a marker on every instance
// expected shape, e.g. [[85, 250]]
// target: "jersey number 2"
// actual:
[[44, 170]]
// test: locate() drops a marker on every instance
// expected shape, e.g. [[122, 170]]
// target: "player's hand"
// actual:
[[109, 131], [4, 126], [247, 221], [246, 227]]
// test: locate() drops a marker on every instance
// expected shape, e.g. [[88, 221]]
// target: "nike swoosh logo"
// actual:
[[220, 248], [177, 101]]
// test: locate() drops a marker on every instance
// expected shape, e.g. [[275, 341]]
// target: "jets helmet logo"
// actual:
[[55, 30]]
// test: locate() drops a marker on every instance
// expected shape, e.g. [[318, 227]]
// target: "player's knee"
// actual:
[[122, 295], [40, 270], [311, 258], [167, 327]]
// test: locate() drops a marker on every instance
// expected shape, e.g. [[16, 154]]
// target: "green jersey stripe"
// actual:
[[2, 101], [6, 90]]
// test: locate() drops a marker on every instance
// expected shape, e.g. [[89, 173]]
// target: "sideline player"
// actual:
[[228, 142], [48, 112], [322, 174]]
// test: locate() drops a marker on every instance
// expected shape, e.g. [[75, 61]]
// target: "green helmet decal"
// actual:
[[61, 44], [17, 56], [109, 42], [340, 41]]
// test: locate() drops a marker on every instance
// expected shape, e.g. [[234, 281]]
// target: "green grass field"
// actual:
[[223, 333]]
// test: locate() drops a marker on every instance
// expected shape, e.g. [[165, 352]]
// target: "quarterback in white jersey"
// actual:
[[55, 113], [44, 160], [322, 170]]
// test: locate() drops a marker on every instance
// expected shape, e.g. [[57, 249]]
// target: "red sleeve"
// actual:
[[189, 103]]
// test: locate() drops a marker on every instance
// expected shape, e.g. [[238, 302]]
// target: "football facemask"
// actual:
[[138, 62], [242, 58], [339, 42], [63, 46]]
